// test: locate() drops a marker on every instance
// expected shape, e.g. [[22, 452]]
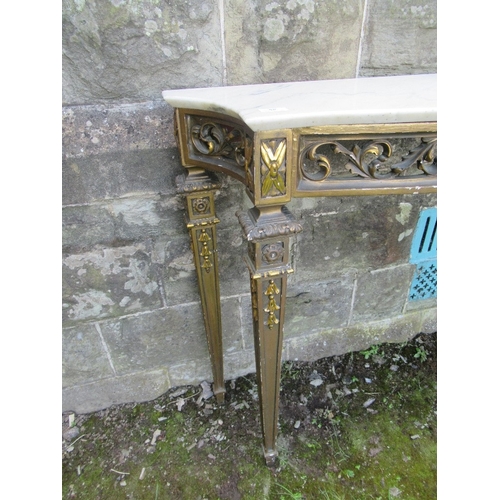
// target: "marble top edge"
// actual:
[[268, 106]]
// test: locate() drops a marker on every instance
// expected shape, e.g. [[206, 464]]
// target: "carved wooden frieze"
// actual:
[[217, 143], [215, 139], [329, 165]]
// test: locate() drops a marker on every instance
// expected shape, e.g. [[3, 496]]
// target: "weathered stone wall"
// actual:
[[132, 323]]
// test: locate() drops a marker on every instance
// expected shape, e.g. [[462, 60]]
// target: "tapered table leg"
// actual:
[[268, 232], [198, 190]]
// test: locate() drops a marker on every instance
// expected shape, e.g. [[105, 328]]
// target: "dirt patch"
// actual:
[[358, 426]]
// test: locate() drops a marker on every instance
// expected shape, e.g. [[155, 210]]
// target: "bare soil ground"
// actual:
[[357, 426]]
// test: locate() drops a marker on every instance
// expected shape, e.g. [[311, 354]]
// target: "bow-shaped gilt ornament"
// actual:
[[273, 160]]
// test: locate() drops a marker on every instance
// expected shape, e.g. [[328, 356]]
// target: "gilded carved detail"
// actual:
[[215, 139], [285, 224], [255, 307], [201, 205], [273, 154], [205, 253], [423, 156], [187, 185], [366, 160], [273, 252], [272, 306]]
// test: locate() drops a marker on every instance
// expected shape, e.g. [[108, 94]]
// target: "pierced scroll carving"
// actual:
[[423, 156], [215, 139], [367, 160]]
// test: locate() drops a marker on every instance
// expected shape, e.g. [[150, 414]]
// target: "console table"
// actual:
[[286, 140]]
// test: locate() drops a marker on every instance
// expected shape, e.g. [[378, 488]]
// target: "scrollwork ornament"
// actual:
[[214, 139], [423, 156], [366, 160], [208, 138], [321, 162], [243, 149]]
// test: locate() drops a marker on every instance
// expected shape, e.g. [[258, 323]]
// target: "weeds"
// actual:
[[289, 494], [372, 351], [421, 354], [340, 450]]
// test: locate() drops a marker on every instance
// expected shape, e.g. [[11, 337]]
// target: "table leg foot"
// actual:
[[219, 394], [271, 458]]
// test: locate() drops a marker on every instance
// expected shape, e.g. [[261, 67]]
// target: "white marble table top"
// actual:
[[387, 99]]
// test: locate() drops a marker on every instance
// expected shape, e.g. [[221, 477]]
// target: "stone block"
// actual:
[[180, 277], [109, 282], [291, 41], [314, 306], [229, 199], [147, 217], [166, 336], [113, 128], [84, 356], [190, 372], [114, 175], [398, 329], [338, 341], [366, 232], [232, 338], [400, 38], [429, 320], [233, 269], [237, 364], [156, 339], [381, 293], [179, 272], [84, 226], [121, 222], [130, 51], [413, 305], [247, 320], [101, 394]]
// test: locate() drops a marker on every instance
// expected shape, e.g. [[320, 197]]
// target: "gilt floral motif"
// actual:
[[273, 167], [205, 253], [272, 306]]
